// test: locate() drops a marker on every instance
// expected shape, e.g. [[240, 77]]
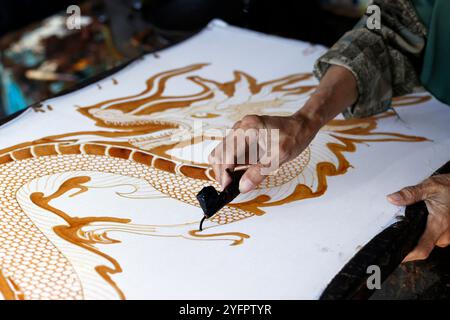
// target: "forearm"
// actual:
[[336, 91], [385, 62]]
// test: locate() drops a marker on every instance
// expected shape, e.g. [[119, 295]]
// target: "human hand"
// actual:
[[435, 191], [294, 135]]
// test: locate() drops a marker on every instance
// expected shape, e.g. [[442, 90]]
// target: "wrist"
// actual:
[[337, 90], [315, 109]]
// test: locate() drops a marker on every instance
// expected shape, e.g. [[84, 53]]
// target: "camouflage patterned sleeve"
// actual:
[[385, 62]]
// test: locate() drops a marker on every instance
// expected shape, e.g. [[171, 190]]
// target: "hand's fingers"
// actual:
[[267, 163], [251, 178], [426, 243], [409, 195], [216, 157], [239, 147], [222, 175], [223, 157], [225, 179], [216, 170], [247, 137], [215, 160], [232, 149]]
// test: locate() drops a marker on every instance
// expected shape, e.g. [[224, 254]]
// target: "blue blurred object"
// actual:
[[27, 57], [13, 99]]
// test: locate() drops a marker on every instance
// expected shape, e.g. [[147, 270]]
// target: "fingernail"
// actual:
[[245, 185], [396, 197]]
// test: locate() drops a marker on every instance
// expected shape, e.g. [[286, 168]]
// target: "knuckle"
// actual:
[[436, 184], [422, 253], [250, 119], [255, 176], [408, 192], [432, 182], [237, 124]]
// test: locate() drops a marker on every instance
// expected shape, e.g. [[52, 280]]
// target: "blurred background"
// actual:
[[40, 58]]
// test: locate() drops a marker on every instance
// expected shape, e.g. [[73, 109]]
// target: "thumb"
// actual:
[[251, 179], [408, 195]]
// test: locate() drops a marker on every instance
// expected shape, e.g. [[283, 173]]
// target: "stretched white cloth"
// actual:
[[97, 187]]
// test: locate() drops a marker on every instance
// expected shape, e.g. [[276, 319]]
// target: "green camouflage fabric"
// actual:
[[386, 62]]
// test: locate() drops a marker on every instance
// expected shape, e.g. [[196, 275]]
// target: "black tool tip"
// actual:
[[201, 223]]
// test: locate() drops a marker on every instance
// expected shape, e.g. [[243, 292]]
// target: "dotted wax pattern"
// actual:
[[39, 268]]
